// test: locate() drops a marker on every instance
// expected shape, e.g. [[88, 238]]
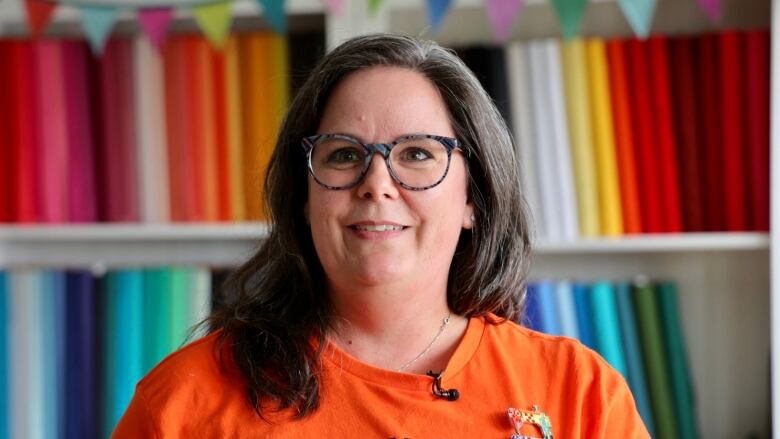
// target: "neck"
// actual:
[[388, 329]]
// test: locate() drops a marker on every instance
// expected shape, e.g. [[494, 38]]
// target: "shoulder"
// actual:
[[545, 367], [193, 375], [545, 354], [578, 388], [189, 386]]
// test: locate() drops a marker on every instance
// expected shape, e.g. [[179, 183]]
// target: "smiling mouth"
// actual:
[[376, 227]]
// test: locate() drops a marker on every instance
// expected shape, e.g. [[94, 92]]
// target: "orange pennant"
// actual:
[[38, 14]]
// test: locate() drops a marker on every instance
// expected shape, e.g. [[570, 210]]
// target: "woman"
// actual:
[[381, 304]]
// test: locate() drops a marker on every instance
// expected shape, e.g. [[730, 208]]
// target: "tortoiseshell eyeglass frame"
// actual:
[[384, 149]]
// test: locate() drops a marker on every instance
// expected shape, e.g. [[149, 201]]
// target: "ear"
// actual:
[[469, 216]]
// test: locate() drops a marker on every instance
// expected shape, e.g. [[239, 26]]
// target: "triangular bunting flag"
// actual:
[[335, 7], [712, 8], [501, 13], [98, 21], [38, 14], [214, 21], [155, 23], [570, 14], [275, 13], [437, 10], [639, 14], [373, 6]]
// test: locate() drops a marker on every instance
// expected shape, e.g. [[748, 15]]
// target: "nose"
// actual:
[[378, 183]]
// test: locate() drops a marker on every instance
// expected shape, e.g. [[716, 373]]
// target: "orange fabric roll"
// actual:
[[264, 83], [624, 141]]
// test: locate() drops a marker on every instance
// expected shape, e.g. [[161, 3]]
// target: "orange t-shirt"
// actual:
[[495, 367]]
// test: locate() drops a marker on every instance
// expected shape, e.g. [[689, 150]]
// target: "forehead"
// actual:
[[383, 103]]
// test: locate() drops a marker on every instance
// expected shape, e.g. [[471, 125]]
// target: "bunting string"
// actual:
[[214, 17]]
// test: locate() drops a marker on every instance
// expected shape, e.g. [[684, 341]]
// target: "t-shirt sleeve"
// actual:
[[137, 421], [620, 416], [607, 409]]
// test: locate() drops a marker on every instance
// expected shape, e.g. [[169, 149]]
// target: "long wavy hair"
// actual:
[[275, 315]]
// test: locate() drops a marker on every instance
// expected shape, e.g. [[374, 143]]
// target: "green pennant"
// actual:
[[570, 15], [214, 21], [373, 6]]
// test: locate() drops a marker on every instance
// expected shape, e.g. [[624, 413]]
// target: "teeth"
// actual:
[[377, 228]]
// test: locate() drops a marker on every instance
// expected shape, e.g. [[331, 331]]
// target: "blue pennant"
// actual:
[[276, 14], [437, 10], [639, 14], [98, 21]]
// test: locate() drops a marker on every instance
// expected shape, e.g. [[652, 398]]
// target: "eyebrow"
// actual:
[[360, 139]]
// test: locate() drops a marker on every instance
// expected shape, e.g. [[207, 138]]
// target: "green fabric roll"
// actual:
[[654, 355], [157, 316], [180, 308]]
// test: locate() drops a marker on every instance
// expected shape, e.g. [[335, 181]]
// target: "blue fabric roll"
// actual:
[[584, 316]]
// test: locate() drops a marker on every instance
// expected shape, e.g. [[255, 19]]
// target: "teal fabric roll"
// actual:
[[124, 336], [52, 320], [130, 338], [606, 324], [5, 324], [677, 361]]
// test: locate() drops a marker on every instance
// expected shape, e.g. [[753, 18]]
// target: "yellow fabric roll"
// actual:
[[575, 78], [611, 214]]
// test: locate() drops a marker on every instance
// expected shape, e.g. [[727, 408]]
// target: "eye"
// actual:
[[345, 155], [414, 154]]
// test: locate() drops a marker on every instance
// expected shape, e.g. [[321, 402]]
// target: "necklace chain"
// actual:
[[443, 326]]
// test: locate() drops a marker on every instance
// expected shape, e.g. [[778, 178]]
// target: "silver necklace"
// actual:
[[443, 326]]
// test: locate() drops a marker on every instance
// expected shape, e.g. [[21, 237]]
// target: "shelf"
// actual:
[[112, 245], [120, 233], [661, 243], [100, 247]]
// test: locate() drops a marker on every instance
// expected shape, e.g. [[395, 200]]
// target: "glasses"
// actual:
[[417, 162]]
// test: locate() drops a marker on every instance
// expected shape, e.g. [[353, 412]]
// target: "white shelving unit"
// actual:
[[728, 295]]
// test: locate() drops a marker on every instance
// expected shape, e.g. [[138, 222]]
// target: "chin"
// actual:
[[375, 278], [379, 274]]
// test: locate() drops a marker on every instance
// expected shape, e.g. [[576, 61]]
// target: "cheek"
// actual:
[[443, 213], [321, 211]]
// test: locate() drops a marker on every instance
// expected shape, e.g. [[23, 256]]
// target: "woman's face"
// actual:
[[379, 105]]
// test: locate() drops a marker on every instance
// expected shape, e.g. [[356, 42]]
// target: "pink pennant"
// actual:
[[712, 8], [155, 23], [501, 14], [335, 6]]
